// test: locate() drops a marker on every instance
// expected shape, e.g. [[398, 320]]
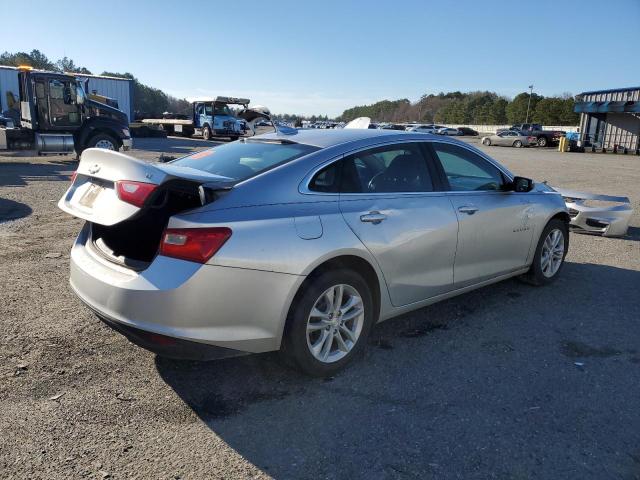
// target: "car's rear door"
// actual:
[[495, 233], [390, 199]]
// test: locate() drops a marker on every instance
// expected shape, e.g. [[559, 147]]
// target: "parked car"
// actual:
[[300, 242], [509, 138], [448, 131], [543, 137], [468, 131], [422, 129]]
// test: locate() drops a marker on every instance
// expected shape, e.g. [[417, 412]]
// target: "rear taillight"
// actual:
[[135, 193], [73, 176], [193, 244]]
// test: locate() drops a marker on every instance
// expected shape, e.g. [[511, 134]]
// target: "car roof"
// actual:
[[324, 138]]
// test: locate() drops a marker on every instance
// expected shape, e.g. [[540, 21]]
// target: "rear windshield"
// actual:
[[241, 160]]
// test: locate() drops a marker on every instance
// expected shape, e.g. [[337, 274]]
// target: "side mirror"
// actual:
[[522, 184]]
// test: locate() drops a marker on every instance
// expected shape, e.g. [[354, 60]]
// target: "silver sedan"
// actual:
[[509, 138], [300, 241]]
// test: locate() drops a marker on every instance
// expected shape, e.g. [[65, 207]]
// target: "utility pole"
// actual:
[[529, 103]]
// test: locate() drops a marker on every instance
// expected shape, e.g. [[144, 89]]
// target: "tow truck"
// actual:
[[57, 117], [209, 117]]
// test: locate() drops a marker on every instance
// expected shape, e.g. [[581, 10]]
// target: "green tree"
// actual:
[[65, 64], [517, 108]]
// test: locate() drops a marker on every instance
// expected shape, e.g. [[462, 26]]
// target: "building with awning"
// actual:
[[610, 118]]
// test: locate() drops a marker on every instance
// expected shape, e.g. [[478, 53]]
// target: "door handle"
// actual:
[[468, 209], [373, 217]]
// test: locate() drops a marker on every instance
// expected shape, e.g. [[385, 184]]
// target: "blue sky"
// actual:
[[324, 56]]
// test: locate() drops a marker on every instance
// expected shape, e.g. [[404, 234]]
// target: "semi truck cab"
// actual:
[[56, 116]]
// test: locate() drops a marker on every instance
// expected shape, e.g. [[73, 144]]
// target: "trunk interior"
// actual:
[[134, 242]]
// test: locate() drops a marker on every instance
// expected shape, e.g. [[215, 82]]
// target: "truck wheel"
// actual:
[[104, 140], [542, 141], [206, 132]]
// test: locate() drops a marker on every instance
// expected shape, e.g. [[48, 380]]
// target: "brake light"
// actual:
[[135, 193], [193, 244], [73, 176]]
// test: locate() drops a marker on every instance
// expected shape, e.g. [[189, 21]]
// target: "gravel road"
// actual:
[[507, 382]]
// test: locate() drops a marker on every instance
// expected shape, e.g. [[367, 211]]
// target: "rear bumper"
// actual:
[[232, 308]]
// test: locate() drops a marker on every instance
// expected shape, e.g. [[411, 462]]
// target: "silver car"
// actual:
[[509, 138], [300, 242]]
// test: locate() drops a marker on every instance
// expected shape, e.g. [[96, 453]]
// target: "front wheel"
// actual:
[[103, 140], [550, 254], [206, 132], [328, 323], [486, 142]]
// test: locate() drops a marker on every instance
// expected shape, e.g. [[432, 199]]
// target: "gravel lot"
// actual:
[[507, 382]]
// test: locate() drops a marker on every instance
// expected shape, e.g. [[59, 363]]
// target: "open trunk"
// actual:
[[134, 242]]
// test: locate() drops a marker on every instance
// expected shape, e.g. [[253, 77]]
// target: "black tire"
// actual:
[[206, 132], [486, 142], [233, 138], [295, 349], [101, 139], [517, 144], [542, 141], [535, 275]]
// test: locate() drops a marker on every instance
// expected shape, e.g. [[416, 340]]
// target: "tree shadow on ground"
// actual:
[[12, 210]]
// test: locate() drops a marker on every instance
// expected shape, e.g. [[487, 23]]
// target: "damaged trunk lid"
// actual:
[[110, 187]]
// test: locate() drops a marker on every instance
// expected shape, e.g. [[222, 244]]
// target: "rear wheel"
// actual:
[[517, 144], [542, 141], [103, 140], [486, 142], [233, 138], [328, 323], [206, 132], [550, 253]]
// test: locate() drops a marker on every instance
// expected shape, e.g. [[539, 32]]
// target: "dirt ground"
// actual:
[[507, 382]]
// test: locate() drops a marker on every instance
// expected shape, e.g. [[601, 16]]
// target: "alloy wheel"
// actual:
[[335, 323], [552, 253]]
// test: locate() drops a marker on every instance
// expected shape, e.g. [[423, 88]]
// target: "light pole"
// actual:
[[529, 103]]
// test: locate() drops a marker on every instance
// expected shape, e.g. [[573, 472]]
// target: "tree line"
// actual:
[[472, 108], [147, 101]]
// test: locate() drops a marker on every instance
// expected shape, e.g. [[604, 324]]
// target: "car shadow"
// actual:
[[479, 385], [18, 174], [12, 210]]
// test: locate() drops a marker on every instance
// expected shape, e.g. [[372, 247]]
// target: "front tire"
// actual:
[[550, 254], [328, 323], [206, 132], [486, 142], [104, 140]]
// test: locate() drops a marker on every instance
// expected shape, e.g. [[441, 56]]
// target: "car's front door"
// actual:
[[495, 231], [389, 199]]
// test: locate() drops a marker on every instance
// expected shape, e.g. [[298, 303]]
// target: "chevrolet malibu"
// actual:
[[300, 241]]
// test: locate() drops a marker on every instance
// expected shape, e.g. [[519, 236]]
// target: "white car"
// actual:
[[448, 131], [422, 129]]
